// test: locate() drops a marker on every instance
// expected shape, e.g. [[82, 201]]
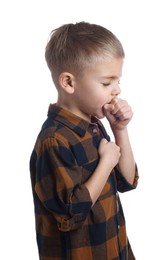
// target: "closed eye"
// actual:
[[106, 84]]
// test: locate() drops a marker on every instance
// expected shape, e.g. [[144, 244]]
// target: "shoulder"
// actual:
[[57, 134]]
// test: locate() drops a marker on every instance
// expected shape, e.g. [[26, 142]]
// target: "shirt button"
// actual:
[[95, 131]]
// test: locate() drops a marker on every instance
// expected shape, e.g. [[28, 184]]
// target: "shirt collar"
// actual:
[[72, 121]]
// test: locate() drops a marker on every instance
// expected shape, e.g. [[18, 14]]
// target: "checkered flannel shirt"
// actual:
[[67, 225]]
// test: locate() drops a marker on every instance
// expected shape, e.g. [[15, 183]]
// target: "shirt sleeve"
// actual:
[[122, 184], [58, 184]]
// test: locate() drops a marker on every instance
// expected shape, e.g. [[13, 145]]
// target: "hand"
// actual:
[[118, 113], [109, 153]]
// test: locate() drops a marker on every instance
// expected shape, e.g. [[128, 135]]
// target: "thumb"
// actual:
[[108, 108], [104, 140], [102, 144]]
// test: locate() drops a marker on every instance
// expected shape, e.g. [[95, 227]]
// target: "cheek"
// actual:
[[94, 95], [100, 98]]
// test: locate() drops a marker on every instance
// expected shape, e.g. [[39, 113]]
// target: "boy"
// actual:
[[76, 172]]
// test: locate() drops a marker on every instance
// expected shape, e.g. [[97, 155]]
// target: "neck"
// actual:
[[73, 109]]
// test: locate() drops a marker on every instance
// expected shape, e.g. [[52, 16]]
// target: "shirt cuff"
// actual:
[[122, 184], [80, 205]]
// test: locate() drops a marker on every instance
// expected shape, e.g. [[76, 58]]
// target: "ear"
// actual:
[[66, 80]]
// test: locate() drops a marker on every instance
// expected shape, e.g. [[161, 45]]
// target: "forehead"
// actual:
[[106, 69]]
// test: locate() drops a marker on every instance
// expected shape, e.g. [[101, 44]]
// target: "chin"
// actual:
[[100, 115]]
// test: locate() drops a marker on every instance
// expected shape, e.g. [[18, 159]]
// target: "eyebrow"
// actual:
[[111, 77]]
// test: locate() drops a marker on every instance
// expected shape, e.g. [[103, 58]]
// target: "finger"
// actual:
[[126, 116], [121, 111], [115, 100], [108, 107], [120, 107], [104, 140]]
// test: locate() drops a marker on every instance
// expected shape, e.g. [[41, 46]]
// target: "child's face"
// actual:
[[97, 87]]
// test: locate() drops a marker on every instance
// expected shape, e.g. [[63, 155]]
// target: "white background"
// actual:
[[27, 89]]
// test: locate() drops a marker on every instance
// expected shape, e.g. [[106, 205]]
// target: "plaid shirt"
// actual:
[[67, 225]]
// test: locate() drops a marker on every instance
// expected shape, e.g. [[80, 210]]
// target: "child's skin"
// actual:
[[95, 93]]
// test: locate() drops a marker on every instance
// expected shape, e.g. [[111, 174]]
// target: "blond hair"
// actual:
[[73, 47]]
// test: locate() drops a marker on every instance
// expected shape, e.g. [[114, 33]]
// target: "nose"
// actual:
[[116, 91]]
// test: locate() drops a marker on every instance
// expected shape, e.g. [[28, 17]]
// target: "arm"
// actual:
[[126, 162], [119, 114], [56, 182], [106, 163]]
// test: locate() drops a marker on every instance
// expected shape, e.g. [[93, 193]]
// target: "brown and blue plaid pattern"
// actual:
[[67, 225]]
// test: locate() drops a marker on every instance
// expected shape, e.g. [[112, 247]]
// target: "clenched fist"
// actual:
[[118, 113], [109, 153]]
